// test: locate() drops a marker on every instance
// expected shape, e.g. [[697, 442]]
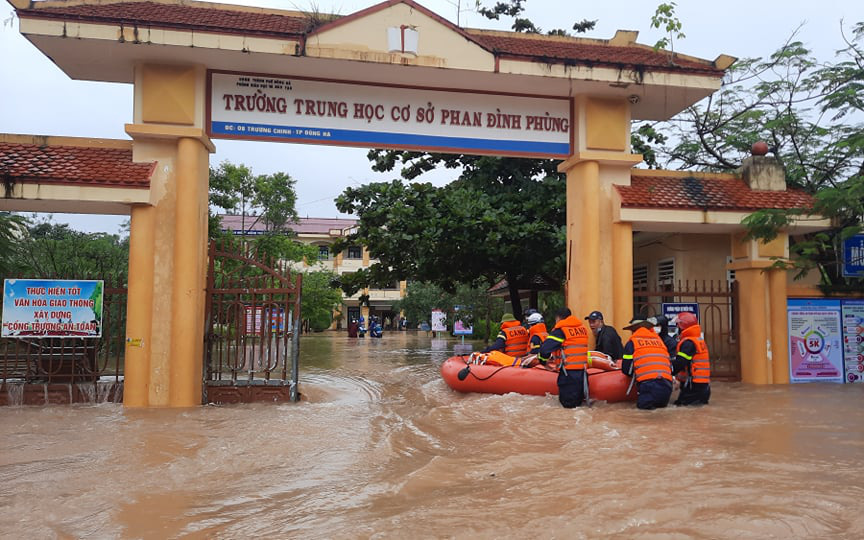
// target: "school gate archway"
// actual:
[[393, 75]]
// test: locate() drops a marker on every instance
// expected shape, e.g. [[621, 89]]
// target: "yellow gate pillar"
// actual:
[[762, 327], [168, 240], [599, 246]]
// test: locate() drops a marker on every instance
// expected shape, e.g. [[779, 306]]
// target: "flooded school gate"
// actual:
[[381, 447]]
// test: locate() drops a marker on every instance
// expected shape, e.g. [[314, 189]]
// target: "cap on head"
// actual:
[[534, 318], [685, 320], [594, 315], [638, 323], [507, 317]]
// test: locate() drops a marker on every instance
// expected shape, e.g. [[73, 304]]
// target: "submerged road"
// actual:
[[380, 447]]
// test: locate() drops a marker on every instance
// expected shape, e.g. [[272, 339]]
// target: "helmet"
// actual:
[[528, 312], [685, 320], [534, 318]]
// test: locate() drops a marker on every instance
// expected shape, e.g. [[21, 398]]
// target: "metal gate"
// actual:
[[718, 317], [252, 342]]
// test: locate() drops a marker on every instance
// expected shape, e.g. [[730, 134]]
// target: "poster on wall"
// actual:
[[45, 308], [815, 340], [853, 340], [439, 321]]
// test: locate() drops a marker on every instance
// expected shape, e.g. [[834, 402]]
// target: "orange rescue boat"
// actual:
[[607, 384]]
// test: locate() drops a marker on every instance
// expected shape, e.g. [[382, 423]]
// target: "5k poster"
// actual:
[[815, 340]]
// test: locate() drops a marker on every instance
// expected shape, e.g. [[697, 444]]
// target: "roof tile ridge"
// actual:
[[27, 4], [666, 173], [710, 64], [62, 141], [543, 37]]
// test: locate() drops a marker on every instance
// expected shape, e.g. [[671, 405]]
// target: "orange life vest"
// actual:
[[650, 356], [515, 338], [538, 330], [575, 344], [700, 367]]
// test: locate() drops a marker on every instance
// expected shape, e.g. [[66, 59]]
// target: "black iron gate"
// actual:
[[252, 345], [718, 317]]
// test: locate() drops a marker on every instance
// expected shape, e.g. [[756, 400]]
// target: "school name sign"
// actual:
[[269, 107], [39, 308]]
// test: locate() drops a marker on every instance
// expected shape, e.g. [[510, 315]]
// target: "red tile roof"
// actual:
[[557, 50], [231, 222], [705, 193], [180, 16], [80, 165], [239, 20]]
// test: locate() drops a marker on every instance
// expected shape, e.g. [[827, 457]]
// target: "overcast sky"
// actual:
[[37, 98]]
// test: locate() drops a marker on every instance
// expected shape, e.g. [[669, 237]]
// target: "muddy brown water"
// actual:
[[382, 448]]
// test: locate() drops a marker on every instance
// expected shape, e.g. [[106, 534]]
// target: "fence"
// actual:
[[36, 371], [718, 318]]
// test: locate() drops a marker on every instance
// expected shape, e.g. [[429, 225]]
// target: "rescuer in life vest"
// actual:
[[647, 362], [691, 364], [571, 337], [512, 340], [537, 334]]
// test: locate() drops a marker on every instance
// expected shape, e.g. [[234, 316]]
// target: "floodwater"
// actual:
[[380, 447]]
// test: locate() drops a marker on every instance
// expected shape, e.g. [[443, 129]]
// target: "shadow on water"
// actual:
[[381, 447]]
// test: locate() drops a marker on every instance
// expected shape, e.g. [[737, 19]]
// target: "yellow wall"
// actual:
[[364, 39], [176, 227]]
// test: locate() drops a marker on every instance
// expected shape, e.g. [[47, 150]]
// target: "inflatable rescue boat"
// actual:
[[467, 374]]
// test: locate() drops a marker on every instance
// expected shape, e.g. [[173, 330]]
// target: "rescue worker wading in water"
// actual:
[[647, 362], [691, 364], [571, 337], [512, 340]]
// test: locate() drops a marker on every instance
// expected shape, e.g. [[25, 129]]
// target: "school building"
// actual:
[[322, 232]]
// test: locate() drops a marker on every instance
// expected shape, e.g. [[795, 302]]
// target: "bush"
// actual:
[[320, 321]]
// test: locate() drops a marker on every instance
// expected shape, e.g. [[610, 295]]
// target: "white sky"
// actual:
[[37, 98]]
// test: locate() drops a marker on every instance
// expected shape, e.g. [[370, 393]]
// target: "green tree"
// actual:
[[476, 307], [264, 199], [320, 297], [809, 112], [515, 8], [12, 229], [501, 217], [50, 250], [420, 299]]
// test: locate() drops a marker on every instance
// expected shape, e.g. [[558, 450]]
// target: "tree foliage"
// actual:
[[515, 9], [268, 200], [42, 249], [809, 112], [319, 299], [12, 228], [501, 217]]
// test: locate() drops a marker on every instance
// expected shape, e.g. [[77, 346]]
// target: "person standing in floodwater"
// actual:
[[571, 336], [647, 362], [691, 363]]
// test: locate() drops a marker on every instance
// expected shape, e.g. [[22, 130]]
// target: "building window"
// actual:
[[355, 252], [323, 253], [730, 274], [666, 277], [640, 283]]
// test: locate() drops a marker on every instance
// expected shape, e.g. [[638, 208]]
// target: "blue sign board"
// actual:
[[671, 309], [46, 308], [853, 256]]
